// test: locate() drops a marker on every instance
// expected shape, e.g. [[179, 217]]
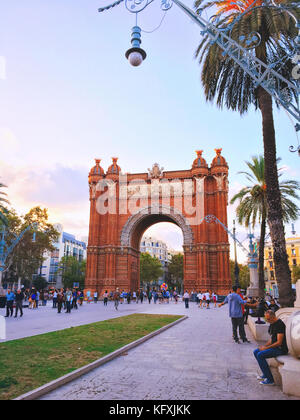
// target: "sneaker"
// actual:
[[267, 382], [237, 341], [246, 340], [261, 377]]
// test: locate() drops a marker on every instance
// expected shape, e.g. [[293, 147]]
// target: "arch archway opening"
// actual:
[[163, 241]]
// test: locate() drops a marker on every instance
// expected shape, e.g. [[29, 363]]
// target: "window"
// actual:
[[293, 252], [294, 262], [271, 264], [272, 274], [270, 254]]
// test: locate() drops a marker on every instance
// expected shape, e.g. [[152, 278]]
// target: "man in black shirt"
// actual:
[[276, 346], [19, 302]]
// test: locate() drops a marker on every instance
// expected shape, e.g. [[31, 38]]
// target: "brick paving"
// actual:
[[195, 360]]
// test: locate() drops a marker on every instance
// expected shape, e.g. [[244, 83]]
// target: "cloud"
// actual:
[[62, 190]]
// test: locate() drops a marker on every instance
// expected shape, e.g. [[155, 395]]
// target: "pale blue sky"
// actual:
[[70, 96]]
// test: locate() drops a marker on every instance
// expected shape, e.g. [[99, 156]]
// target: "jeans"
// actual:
[[261, 357], [19, 306], [238, 323], [59, 306], [68, 307], [9, 308], [186, 301]]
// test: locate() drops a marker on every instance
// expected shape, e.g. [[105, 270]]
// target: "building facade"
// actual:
[[293, 252], [159, 250], [66, 245]]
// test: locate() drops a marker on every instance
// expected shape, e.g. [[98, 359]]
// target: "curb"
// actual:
[[50, 386]]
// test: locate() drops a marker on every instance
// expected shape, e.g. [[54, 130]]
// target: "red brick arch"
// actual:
[[115, 235]]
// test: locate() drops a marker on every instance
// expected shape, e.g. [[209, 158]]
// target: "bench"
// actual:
[[286, 373]]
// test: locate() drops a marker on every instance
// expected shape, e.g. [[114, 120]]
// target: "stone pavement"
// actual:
[[46, 319], [195, 360]]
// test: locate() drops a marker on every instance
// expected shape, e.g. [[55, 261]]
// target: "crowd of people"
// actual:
[[66, 299]]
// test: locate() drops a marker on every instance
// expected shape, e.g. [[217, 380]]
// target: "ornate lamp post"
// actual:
[[262, 74], [236, 266]]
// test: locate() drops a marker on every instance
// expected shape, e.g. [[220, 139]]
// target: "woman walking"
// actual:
[[105, 298], [186, 298]]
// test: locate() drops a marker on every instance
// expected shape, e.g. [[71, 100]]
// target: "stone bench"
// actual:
[[286, 373]]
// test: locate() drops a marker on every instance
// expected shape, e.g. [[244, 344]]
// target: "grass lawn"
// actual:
[[28, 363]]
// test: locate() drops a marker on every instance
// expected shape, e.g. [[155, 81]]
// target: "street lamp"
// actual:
[[236, 266], [261, 73], [135, 55]]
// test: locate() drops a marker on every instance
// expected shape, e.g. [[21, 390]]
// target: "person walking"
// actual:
[[37, 299], [81, 298], [214, 298], [236, 314], [19, 302], [105, 298], [149, 296], [186, 298], [10, 297], [116, 298], [276, 346], [95, 297], [60, 300], [200, 299], [33, 299], [54, 299], [69, 298], [141, 296], [74, 301], [128, 297], [207, 299], [175, 295]]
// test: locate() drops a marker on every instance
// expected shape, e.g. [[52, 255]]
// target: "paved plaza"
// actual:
[[195, 359]]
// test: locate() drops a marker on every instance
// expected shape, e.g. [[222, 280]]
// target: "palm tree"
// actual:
[[3, 209], [232, 87], [252, 206]]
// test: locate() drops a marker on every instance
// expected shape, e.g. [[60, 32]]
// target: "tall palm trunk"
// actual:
[[261, 272], [275, 220]]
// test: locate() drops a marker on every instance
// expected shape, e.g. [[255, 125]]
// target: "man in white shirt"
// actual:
[[207, 299], [200, 298]]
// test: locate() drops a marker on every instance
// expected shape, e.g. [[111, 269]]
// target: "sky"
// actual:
[[68, 96]]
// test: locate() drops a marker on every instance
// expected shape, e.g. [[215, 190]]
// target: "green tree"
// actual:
[[232, 87], [3, 209], [175, 270], [253, 208], [150, 269], [28, 254], [72, 271], [39, 283], [295, 273], [244, 274]]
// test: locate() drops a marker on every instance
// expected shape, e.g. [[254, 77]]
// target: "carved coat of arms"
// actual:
[[155, 172]]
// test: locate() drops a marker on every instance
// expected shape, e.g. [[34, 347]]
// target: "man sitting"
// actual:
[[276, 346]]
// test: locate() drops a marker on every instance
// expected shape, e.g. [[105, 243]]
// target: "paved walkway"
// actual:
[[46, 319], [196, 359]]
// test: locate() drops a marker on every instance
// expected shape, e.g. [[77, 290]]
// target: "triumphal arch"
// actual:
[[124, 205]]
